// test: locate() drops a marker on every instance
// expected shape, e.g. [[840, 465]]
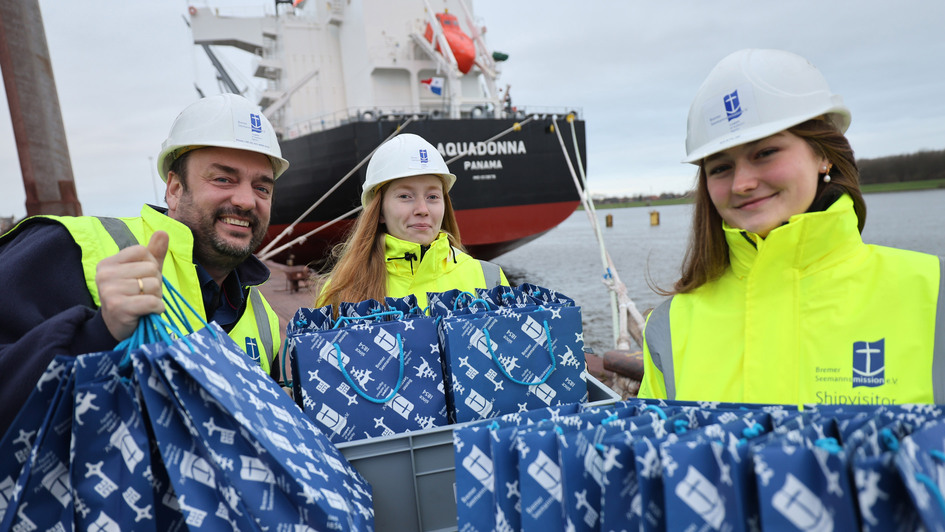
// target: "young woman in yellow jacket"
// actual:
[[406, 240], [780, 301]]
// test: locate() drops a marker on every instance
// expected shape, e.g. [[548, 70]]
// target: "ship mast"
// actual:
[[34, 111]]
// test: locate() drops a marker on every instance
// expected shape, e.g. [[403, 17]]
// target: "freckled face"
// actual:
[[759, 185], [412, 208]]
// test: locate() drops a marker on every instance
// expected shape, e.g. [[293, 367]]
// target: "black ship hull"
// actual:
[[508, 191]]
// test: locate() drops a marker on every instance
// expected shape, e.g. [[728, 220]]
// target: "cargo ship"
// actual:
[[342, 76]]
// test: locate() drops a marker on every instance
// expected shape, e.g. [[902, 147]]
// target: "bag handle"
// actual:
[[399, 314], [154, 328], [554, 362], [472, 301], [362, 393]]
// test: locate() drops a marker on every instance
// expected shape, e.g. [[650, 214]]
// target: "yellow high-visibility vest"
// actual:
[[257, 330], [808, 315]]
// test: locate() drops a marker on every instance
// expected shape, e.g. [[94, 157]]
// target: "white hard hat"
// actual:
[[753, 94], [403, 156], [223, 121]]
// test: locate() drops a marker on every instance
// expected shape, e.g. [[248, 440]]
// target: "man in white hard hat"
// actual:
[[75, 285]]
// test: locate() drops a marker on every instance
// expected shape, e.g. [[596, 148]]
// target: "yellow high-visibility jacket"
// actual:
[[809, 314], [257, 329], [443, 268]]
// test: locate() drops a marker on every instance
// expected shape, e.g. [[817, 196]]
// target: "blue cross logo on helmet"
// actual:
[[255, 122], [733, 108]]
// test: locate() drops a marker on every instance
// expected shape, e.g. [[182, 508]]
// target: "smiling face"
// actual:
[[225, 200], [412, 208], [759, 185]]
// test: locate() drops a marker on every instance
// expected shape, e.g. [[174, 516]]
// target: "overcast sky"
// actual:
[[124, 69]]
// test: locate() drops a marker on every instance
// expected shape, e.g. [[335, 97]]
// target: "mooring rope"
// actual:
[[628, 320]]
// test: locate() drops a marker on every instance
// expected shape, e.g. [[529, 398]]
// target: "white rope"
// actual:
[[304, 237], [265, 252], [636, 326]]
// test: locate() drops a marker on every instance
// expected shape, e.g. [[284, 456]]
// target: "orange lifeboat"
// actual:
[[464, 50]]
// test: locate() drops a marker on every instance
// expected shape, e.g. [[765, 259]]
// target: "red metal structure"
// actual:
[[34, 111]]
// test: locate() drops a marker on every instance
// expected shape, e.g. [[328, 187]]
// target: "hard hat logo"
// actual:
[[403, 156], [223, 121], [753, 94], [252, 133], [733, 109]]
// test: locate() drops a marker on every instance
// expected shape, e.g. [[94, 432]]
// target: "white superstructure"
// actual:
[[327, 62]]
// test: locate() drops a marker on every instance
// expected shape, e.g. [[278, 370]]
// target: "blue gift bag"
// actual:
[[369, 377], [709, 481], [41, 497], [921, 463], [112, 469], [197, 486], [17, 444], [486, 469], [504, 446], [511, 360], [541, 484], [803, 481], [172, 431], [245, 418]]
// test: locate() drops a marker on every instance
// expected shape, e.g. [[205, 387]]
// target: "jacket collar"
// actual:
[[251, 272], [812, 238], [398, 253]]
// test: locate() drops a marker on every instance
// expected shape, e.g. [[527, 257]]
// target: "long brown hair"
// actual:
[[707, 255], [360, 270]]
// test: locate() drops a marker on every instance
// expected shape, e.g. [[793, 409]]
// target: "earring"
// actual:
[[826, 171], [826, 178]]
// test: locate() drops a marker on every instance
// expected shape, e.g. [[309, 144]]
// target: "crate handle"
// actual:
[[400, 377], [540, 381]]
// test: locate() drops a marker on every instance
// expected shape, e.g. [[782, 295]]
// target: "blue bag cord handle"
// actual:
[[659, 411], [154, 328], [888, 440], [399, 314], [400, 377], [830, 444], [472, 301], [930, 484], [554, 361], [460, 296]]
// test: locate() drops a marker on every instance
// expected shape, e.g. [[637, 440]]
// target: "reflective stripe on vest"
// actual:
[[491, 273], [124, 238], [938, 352], [659, 341]]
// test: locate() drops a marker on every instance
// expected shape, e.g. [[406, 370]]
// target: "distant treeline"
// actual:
[[921, 166]]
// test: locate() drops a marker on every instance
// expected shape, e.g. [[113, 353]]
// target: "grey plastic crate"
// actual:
[[413, 474]]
